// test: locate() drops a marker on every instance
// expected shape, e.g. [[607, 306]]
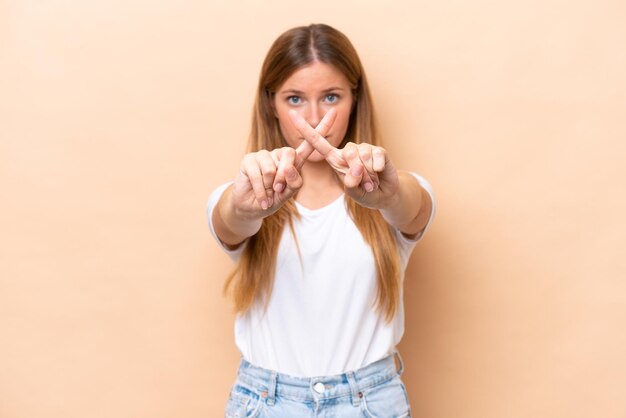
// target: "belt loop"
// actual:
[[397, 353], [271, 396], [354, 388]]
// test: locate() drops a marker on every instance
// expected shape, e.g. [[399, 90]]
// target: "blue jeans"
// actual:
[[374, 391]]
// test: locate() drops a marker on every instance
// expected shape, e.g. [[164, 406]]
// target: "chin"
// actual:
[[315, 157]]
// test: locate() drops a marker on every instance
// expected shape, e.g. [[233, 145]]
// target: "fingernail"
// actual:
[[278, 187], [264, 204], [369, 187]]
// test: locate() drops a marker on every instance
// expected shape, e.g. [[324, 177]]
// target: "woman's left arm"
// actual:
[[410, 208]]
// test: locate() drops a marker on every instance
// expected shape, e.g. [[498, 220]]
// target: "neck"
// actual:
[[318, 174], [320, 187]]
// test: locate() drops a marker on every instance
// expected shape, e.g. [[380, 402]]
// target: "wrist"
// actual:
[[241, 222], [390, 202], [246, 220], [405, 204], [389, 209]]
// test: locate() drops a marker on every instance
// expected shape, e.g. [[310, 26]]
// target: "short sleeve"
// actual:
[[214, 197]]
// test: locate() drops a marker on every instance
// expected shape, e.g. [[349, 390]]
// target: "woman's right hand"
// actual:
[[268, 179]]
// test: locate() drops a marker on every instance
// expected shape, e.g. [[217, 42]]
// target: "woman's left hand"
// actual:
[[365, 170]]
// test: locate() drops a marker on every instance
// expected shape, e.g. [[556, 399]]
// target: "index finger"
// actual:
[[311, 136], [305, 148]]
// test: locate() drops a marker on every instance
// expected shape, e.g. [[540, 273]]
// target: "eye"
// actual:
[[331, 98], [294, 100]]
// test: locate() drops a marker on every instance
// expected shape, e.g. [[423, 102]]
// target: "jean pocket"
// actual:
[[387, 400], [243, 403]]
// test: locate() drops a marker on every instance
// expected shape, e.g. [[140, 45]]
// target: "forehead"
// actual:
[[315, 76]]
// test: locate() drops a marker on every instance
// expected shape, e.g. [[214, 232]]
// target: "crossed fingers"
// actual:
[[303, 152], [269, 177], [305, 149], [357, 164]]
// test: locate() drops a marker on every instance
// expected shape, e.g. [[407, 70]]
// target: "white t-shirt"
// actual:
[[321, 318]]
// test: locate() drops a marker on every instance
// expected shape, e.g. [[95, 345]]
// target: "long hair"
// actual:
[[253, 277]]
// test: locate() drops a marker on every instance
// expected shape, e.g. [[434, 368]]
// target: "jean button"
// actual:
[[319, 387]]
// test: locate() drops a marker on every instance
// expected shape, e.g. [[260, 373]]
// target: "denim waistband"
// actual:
[[270, 384]]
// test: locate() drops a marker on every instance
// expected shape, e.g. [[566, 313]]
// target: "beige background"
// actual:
[[118, 118]]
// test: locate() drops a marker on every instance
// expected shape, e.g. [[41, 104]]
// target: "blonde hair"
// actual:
[[253, 277]]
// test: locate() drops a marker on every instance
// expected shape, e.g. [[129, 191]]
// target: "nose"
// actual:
[[314, 114]]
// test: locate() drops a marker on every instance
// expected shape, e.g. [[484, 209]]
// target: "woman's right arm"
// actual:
[[230, 228], [266, 180]]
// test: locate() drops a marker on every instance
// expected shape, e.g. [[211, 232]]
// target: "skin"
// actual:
[[313, 109]]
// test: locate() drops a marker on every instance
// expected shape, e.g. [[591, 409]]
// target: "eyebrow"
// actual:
[[294, 91]]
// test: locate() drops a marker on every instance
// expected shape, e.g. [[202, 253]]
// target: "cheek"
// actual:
[[340, 127], [290, 134]]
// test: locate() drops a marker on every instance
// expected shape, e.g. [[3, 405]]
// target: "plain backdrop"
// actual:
[[118, 118]]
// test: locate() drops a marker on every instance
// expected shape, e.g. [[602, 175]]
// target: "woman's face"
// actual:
[[312, 91]]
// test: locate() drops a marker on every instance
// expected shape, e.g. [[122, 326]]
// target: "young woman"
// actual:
[[321, 225]]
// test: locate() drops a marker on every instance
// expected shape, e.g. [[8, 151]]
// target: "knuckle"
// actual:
[[287, 152], [262, 155], [247, 159], [269, 172], [349, 152]]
